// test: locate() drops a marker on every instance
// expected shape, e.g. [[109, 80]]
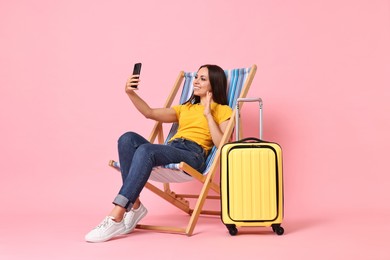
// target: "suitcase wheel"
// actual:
[[232, 229], [277, 229]]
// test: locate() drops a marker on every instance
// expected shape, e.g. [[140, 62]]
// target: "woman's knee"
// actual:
[[126, 138]]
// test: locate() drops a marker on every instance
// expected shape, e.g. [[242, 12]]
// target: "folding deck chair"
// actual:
[[239, 81]]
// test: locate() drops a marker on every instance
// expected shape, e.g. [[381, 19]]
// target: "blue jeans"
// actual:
[[137, 157]]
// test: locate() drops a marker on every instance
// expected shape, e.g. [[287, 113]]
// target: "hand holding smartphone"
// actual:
[[137, 70]]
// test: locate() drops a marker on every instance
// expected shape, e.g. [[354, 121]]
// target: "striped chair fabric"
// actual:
[[171, 173]]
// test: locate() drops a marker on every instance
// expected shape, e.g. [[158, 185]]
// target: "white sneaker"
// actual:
[[132, 217], [106, 230]]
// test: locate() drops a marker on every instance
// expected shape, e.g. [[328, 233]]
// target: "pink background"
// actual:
[[323, 73]]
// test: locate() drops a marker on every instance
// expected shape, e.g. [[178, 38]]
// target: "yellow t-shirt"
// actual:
[[193, 124]]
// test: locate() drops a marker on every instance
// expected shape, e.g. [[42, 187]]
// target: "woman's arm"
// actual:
[[166, 115], [216, 130]]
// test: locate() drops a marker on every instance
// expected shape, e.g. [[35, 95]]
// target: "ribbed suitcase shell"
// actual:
[[251, 180], [252, 184]]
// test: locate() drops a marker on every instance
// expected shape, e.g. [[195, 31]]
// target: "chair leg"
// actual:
[[198, 207], [171, 197]]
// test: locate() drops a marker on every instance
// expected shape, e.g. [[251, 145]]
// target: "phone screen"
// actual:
[[137, 68]]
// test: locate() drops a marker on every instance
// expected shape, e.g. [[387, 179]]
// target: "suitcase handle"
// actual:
[[260, 101], [250, 139]]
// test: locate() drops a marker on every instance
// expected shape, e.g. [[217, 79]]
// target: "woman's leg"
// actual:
[[140, 157], [128, 143], [144, 159], [113, 224]]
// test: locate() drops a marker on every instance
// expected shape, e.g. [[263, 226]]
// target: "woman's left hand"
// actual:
[[207, 106]]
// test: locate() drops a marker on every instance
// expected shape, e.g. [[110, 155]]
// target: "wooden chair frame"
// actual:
[[180, 200]]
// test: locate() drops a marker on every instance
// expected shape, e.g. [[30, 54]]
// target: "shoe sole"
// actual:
[[118, 232]]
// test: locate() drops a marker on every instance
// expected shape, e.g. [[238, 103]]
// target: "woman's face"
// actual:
[[201, 83]]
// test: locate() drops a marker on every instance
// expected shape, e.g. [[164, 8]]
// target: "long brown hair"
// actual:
[[218, 82]]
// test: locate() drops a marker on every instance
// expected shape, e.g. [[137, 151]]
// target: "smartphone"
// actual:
[[137, 68]]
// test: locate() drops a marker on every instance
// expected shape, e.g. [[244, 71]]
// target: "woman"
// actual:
[[202, 122]]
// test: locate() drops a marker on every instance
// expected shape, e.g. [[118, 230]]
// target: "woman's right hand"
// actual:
[[132, 83]]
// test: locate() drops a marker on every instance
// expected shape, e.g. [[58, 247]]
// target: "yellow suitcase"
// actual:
[[251, 183]]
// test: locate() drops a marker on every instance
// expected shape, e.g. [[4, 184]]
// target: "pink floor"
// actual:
[[359, 234]]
